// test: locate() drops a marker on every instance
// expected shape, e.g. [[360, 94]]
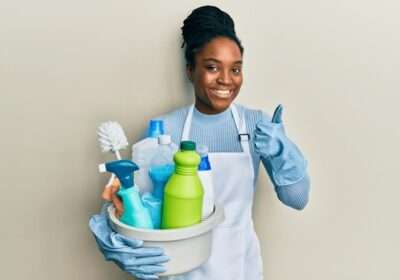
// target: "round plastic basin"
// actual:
[[188, 247]]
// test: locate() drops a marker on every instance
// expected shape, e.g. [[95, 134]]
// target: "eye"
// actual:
[[212, 68], [237, 70]]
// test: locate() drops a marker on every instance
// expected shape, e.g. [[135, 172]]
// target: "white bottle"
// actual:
[[165, 151], [142, 153], [205, 174]]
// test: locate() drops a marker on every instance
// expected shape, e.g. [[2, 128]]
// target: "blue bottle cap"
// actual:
[[156, 128], [202, 150]]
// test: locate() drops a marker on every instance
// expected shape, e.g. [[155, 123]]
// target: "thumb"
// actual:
[[277, 116]]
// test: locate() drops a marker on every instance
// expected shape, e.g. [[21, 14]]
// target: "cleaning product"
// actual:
[[183, 194], [161, 168], [156, 128], [143, 151], [135, 214], [205, 175], [112, 138], [154, 205], [162, 165]]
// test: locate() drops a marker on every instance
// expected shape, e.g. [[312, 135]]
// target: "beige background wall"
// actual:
[[65, 66]]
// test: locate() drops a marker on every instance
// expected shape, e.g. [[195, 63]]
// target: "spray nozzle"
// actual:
[[123, 169]]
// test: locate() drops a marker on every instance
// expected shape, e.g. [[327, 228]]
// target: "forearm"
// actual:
[[295, 195], [290, 180]]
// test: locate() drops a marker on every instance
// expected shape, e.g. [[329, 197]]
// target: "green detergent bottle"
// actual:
[[183, 193]]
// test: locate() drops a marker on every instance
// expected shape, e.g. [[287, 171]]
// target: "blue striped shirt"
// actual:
[[219, 133]]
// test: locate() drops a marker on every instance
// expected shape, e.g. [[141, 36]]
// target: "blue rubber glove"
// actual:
[[288, 165], [129, 254]]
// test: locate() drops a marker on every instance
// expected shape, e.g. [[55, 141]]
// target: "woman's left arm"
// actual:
[[283, 161]]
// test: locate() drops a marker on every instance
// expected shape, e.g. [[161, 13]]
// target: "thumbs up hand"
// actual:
[[286, 163], [270, 136]]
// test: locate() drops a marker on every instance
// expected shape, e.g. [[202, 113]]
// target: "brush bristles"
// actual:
[[111, 137]]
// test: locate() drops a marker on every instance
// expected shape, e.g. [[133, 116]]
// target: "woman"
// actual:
[[238, 139]]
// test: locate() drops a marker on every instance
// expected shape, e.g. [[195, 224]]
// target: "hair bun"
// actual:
[[204, 24], [206, 19]]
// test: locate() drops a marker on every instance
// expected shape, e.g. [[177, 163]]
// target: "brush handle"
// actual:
[[110, 181]]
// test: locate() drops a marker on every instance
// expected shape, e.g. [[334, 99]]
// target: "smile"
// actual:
[[222, 93]]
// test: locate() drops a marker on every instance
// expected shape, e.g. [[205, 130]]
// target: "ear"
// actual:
[[189, 72]]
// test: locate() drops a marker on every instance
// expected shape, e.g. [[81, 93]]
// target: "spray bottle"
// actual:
[[135, 214]]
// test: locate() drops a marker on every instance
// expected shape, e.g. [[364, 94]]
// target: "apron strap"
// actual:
[[244, 137], [188, 124], [240, 123]]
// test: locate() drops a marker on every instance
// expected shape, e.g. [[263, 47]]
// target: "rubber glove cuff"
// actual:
[[289, 166]]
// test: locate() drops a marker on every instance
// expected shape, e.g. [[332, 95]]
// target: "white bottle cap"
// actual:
[[164, 139], [202, 150]]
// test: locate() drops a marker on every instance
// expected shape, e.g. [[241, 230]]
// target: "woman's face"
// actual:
[[217, 75]]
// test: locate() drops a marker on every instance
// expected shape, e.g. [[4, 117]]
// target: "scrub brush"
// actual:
[[112, 138]]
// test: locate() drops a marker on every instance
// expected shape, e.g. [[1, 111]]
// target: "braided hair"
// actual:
[[203, 25]]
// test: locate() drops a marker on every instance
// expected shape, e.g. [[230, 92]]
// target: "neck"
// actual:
[[210, 119], [207, 109]]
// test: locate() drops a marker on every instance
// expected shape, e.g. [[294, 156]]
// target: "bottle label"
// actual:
[[208, 198]]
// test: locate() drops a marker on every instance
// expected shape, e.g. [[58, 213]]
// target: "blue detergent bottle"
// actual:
[[161, 168], [162, 165], [135, 214]]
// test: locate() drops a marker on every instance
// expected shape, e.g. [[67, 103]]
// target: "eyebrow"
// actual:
[[217, 61]]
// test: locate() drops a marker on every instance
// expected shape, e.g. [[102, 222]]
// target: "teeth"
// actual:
[[222, 93]]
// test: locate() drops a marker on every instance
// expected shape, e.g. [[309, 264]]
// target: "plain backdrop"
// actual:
[[66, 66]]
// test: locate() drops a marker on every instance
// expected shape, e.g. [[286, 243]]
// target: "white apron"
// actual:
[[235, 249]]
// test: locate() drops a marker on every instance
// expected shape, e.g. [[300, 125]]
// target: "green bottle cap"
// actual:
[[188, 146]]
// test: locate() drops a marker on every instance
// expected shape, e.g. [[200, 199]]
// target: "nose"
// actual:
[[224, 77]]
